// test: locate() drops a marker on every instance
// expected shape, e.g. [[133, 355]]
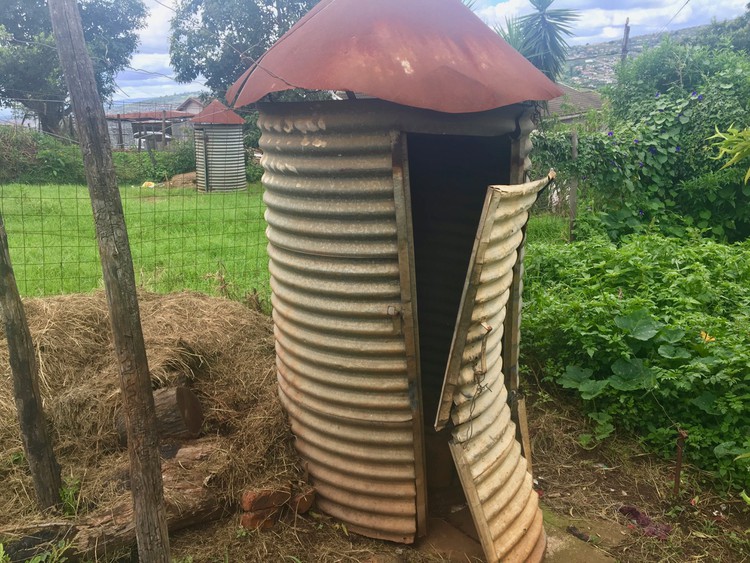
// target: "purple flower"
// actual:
[[641, 213], [700, 98], [636, 141], [652, 150], [610, 134], [640, 164], [677, 148], [657, 94], [694, 93]]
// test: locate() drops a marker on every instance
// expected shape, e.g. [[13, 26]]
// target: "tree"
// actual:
[[220, 39], [540, 36], [512, 33], [29, 68]]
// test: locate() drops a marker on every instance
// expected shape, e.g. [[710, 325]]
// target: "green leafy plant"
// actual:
[[70, 494], [55, 554], [649, 334], [733, 146]]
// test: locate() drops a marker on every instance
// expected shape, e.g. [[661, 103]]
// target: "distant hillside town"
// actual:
[[592, 66]]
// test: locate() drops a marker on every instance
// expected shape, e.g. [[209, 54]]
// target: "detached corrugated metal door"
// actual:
[[488, 457]]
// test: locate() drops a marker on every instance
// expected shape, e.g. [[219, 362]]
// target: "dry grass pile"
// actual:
[[221, 349]]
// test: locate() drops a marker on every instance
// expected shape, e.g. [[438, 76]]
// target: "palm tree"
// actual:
[[511, 33], [540, 36]]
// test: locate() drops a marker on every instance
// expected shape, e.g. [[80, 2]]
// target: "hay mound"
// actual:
[[221, 349]]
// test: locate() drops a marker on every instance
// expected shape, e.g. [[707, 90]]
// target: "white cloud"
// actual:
[[150, 74], [603, 20], [154, 38]]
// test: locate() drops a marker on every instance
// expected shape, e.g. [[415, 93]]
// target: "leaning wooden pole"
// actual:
[[37, 444], [119, 284]]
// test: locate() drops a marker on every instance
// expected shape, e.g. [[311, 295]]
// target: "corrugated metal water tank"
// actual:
[[219, 149], [336, 179]]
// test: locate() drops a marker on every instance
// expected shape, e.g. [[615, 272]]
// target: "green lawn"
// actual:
[[180, 239]]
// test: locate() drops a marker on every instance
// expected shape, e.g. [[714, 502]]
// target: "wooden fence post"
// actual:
[[37, 444], [120, 141], [119, 283], [573, 195], [625, 38]]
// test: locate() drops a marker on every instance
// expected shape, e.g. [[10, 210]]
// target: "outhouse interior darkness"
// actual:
[[448, 180]]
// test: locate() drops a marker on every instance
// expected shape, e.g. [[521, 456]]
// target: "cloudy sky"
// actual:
[[601, 20]]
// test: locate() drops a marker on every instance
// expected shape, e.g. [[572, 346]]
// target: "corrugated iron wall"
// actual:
[[487, 454], [219, 158], [340, 347]]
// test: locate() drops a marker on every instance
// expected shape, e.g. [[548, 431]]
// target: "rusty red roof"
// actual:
[[157, 114], [433, 54], [218, 114]]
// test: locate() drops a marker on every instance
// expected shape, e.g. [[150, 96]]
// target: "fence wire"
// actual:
[[181, 238]]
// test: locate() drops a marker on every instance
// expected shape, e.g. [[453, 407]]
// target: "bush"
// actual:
[[135, 167], [254, 172], [28, 157], [651, 335]]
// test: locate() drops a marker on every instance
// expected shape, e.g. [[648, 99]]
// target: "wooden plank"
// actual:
[[523, 427], [179, 415], [409, 319], [476, 264], [109, 530], [474, 502], [119, 284], [37, 443], [511, 351]]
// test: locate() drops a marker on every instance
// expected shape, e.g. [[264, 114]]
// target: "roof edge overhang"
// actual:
[[425, 54]]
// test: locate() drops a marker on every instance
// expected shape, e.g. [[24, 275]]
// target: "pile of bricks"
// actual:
[[263, 507]]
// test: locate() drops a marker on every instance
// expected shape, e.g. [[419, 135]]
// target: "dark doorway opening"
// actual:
[[448, 180]]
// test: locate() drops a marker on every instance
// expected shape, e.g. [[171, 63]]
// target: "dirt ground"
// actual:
[[223, 351]]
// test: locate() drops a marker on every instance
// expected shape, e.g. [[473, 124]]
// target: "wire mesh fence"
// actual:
[[181, 238]]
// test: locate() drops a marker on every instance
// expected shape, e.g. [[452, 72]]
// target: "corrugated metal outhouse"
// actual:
[[396, 223], [219, 149]]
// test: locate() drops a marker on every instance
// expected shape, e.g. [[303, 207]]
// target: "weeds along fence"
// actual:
[[181, 238]]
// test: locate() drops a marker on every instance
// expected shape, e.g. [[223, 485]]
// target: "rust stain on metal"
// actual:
[[431, 54]]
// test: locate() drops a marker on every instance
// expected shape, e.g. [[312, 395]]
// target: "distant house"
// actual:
[[136, 129], [192, 105], [573, 104]]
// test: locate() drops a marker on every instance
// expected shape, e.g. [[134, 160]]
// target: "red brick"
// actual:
[[252, 501], [260, 519], [303, 501]]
